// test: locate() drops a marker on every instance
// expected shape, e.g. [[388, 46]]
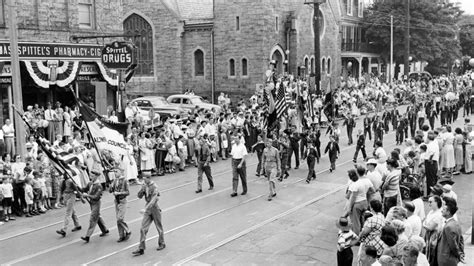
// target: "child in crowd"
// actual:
[[37, 193], [224, 144], [29, 196], [7, 192], [346, 238]]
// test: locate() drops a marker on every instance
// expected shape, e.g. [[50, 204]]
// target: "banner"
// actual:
[[105, 133]]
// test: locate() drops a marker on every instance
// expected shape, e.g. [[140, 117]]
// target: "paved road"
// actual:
[[297, 227]]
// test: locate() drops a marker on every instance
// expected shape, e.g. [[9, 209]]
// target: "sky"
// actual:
[[467, 6]]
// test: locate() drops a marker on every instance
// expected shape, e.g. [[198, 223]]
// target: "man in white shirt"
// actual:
[[431, 161], [9, 137], [413, 220], [238, 153]]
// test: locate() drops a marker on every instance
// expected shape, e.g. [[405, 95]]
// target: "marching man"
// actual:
[[120, 190]]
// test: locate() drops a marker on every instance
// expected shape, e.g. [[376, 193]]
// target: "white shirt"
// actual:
[[48, 114], [415, 224], [432, 149], [238, 151], [376, 178], [381, 155], [8, 130], [360, 188]]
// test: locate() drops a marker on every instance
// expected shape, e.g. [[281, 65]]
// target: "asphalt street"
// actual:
[[297, 227]]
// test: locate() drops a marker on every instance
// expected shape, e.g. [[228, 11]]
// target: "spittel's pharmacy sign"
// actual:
[[42, 51]]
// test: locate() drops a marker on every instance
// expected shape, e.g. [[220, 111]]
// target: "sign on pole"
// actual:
[[117, 55]]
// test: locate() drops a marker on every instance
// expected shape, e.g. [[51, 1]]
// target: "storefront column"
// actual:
[[10, 103]]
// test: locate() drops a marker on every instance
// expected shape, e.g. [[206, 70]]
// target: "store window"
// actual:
[[198, 63], [136, 24], [232, 67], [86, 16], [237, 23], [323, 65], [329, 66]]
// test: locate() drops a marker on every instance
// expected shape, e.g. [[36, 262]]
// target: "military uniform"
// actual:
[[204, 157], [271, 163], [152, 214], [284, 155], [121, 188]]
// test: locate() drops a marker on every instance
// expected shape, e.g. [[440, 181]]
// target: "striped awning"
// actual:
[[53, 72], [111, 77]]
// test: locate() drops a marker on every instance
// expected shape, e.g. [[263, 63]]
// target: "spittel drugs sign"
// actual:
[[118, 55]]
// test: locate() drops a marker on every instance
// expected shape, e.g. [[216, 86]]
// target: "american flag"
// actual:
[[309, 105], [280, 103]]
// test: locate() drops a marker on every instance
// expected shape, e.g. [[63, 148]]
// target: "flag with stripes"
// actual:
[[309, 105], [280, 103]]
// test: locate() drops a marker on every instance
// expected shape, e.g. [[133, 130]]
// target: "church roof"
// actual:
[[192, 11]]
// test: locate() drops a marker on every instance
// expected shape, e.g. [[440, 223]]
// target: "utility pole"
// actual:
[[317, 47], [20, 131], [407, 40], [390, 71]]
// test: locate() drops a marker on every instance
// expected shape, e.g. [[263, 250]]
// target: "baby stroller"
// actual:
[[408, 182]]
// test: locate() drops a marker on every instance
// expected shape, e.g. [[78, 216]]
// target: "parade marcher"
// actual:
[[294, 147], [69, 191], [333, 149], [360, 146], [367, 126], [432, 115], [271, 165], [411, 116], [421, 117], [350, 124], [238, 153], [94, 194], [311, 160], [284, 145], [258, 147], [121, 189], [401, 126], [151, 213], [386, 118], [378, 128], [204, 158]]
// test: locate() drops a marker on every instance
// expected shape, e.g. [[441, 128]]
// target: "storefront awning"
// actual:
[[53, 72], [112, 78]]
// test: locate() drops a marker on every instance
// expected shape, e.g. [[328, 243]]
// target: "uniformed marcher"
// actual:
[[311, 159], [284, 147], [272, 166], [360, 146], [350, 123], [151, 213], [121, 189], [94, 194], [69, 190], [367, 123], [204, 158], [238, 152]]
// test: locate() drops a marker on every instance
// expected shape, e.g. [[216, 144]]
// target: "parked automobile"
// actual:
[[191, 102], [160, 106]]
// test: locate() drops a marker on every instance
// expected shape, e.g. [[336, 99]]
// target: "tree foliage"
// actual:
[[466, 35], [433, 31]]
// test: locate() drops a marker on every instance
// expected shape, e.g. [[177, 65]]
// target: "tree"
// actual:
[[466, 35], [433, 31]]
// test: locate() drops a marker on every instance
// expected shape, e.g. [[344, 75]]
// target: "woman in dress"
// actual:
[[129, 164], [447, 152], [146, 153], [67, 122], [433, 224], [458, 150]]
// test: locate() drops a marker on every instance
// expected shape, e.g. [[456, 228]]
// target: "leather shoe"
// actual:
[[61, 232], [138, 252], [211, 188], [77, 228], [244, 193], [104, 233], [85, 238], [233, 194], [121, 239], [127, 236], [199, 191], [160, 247]]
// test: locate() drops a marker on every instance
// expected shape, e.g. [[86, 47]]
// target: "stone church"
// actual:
[[214, 46]]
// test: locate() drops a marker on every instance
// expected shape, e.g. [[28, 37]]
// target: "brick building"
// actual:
[[205, 45], [226, 46]]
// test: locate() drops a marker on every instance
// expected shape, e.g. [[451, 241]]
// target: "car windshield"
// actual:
[[159, 102]]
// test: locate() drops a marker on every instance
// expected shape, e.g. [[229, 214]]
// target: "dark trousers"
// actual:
[[421, 121], [332, 159], [362, 149], [466, 110], [259, 166], [399, 136], [311, 172], [367, 130], [2, 147], [412, 129], [387, 204], [19, 202], [349, 134], [432, 121], [344, 257], [95, 219], [431, 169], [294, 149], [239, 172], [207, 170]]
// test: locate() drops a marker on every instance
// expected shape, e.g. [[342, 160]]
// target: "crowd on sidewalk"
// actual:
[[30, 186]]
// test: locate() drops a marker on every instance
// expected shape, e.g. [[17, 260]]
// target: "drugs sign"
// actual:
[[118, 55]]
